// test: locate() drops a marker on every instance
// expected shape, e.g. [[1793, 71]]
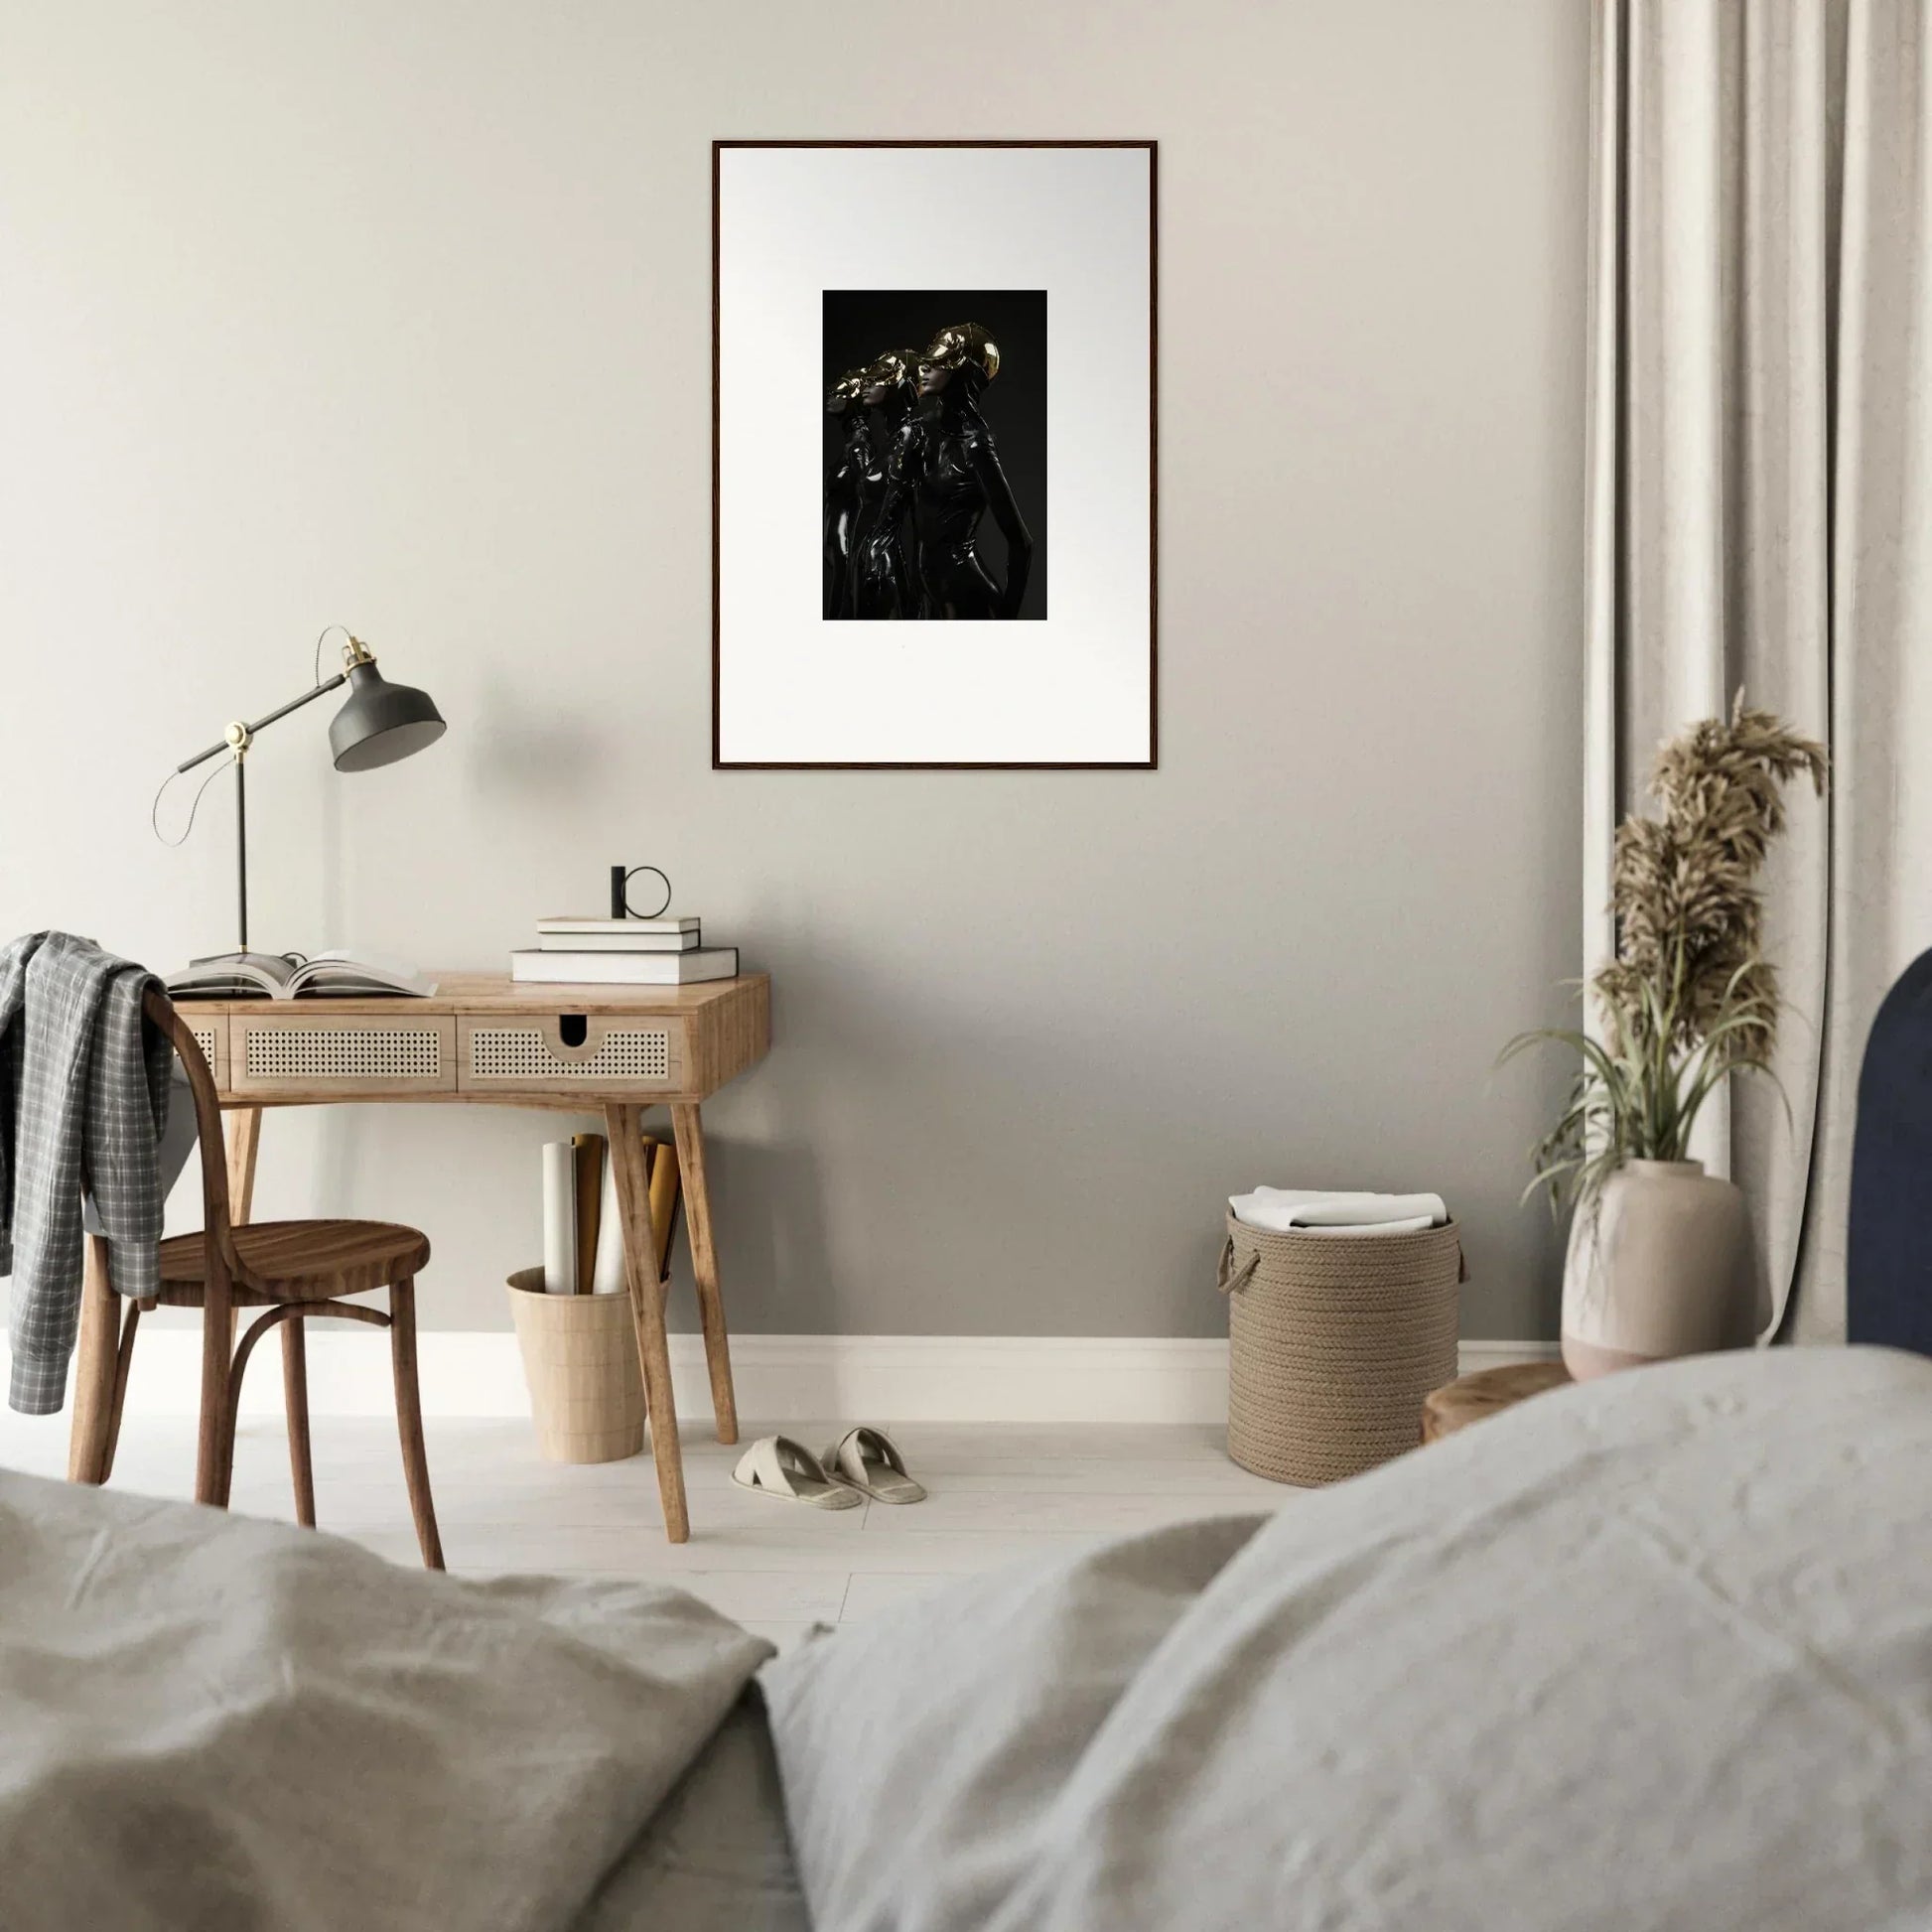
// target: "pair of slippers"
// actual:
[[863, 1463]]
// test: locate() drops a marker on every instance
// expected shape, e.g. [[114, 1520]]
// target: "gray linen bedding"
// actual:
[[1652, 1653], [212, 1723], [1655, 1652]]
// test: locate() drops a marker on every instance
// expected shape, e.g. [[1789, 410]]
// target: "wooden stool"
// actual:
[[1488, 1392], [291, 1269]]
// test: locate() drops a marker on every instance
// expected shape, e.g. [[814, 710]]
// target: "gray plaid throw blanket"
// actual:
[[81, 1088]]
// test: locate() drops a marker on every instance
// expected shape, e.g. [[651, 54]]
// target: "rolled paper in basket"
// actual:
[[607, 1275], [558, 1219]]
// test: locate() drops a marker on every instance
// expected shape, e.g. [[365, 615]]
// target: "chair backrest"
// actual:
[[216, 1221]]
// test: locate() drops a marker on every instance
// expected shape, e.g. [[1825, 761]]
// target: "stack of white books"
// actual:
[[622, 952]]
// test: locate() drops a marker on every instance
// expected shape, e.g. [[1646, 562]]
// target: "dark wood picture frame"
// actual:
[[1153, 759]]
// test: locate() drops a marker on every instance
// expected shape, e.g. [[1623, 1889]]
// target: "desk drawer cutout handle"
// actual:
[[340, 1053], [599, 1051]]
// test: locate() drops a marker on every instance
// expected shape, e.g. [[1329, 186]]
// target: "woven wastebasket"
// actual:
[[1333, 1340], [580, 1358]]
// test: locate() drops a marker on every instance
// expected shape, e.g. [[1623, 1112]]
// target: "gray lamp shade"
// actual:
[[382, 722]]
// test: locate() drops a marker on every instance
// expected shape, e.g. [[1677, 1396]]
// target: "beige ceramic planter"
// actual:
[[1658, 1267]]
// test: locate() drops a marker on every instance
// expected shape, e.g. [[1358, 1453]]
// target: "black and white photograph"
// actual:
[[935, 453], [934, 468]]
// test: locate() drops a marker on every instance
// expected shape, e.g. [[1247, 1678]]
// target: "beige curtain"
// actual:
[[1760, 513]]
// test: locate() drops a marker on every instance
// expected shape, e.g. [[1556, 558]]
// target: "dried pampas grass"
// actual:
[[1690, 997], [1689, 914]]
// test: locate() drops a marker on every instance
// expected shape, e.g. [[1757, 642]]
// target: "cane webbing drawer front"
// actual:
[[557, 1050], [211, 1032], [278, 1052]]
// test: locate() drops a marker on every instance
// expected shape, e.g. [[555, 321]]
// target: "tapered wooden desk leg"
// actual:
[[243, 1126], [689, 1128], [94, 1369], [625, 1128]]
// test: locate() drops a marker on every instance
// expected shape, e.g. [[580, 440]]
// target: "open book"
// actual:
[[289, 976]]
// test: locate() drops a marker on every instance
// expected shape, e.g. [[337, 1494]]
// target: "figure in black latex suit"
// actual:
[[843, 490], [884, 579], [961, 479]]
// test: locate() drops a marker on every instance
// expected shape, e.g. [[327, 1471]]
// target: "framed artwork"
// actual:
[[934, 454]]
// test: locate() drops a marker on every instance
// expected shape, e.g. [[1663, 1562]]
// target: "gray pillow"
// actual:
[[918, 1751], [1651, 1652]]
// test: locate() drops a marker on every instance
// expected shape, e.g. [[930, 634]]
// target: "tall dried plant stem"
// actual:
[[1690, 998]]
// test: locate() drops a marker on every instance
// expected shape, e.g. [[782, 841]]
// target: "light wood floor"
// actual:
[[998, 1493]]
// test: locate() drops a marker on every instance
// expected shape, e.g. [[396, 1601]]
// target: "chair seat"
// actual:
[[305, 1261]]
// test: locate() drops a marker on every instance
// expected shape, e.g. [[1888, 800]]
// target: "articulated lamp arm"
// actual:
[[238, 737]]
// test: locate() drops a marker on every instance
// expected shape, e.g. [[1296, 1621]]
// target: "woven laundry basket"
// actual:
[[580, 1358], [1333, 1340]]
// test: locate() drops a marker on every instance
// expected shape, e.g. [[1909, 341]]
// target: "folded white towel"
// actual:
[[1324, 1211]]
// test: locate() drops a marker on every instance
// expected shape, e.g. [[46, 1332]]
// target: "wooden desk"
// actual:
[[483, 1042]]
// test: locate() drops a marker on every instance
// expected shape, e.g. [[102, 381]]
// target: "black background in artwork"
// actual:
[[863, 323]]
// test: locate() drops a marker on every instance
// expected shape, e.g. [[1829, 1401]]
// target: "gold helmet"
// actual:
[[963, 343], [888, 369], [845, 390]]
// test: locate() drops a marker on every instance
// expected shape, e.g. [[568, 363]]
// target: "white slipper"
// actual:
[[775, 1465], [867, 1458]]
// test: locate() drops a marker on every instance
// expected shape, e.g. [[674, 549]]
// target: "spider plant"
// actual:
[[1688, 998]]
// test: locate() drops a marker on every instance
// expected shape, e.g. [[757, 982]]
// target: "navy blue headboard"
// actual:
[[1888, 1249]]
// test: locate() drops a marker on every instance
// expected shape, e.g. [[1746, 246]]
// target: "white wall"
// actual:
[[399, 314]]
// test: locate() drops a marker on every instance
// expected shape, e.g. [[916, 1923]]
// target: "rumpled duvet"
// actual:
[[212, 1723], [1651, 1653]]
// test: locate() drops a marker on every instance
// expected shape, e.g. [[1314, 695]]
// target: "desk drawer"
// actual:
[[562, 1051], [310, 1052], [211, 1031]]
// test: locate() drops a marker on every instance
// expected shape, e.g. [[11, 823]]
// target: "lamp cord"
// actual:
[[314, 676], [154, 810]]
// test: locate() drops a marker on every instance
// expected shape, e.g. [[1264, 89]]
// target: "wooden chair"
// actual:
[[291, 1269]]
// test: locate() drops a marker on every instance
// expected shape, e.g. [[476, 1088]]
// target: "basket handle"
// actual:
[[1229, 1279]]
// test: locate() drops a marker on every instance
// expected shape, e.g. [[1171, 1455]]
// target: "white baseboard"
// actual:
[[779, 1378], [1474, 1355]]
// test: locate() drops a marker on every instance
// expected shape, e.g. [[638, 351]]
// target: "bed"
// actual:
[[1655, 1651]]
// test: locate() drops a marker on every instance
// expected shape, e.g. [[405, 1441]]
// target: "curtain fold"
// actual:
[[1760, 404]]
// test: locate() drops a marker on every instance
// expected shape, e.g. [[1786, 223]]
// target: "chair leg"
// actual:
[[215, 1443], [94, 1369], [294, 1399], [124, 1363], [409, 1418]]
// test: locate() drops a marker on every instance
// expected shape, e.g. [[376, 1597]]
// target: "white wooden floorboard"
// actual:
[[1000, 1494], [1037, 1512], [867, 1592], [784, 1635]]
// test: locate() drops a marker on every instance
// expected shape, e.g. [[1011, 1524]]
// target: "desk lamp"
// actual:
[[378, 724]]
